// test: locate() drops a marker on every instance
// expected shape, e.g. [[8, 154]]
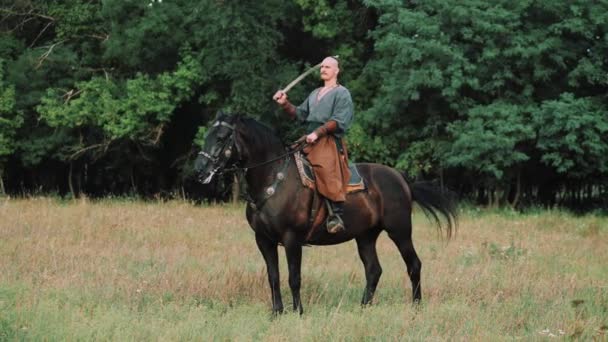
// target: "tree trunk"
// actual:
[[78, 185], [133, 187], [2, 191], [70, 181], [498, 195], [441, 178], [236, 190], [517, 190]]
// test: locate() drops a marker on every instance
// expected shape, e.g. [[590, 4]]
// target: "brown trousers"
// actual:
[[330, 167]]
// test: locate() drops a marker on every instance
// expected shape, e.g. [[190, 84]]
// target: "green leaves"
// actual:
[[572, 135], [10, 119], [486, 80], [492, 139], [133, 109], [322, 18]]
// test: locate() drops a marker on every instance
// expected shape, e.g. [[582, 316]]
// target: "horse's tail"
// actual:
[[436, 202]]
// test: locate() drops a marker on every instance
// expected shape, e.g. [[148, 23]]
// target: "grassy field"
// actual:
[[131, 270]]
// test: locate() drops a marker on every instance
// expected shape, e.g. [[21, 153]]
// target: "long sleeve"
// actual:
[[303, 110], [343, 110]]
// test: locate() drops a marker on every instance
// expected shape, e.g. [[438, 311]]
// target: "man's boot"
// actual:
[[334, 220]]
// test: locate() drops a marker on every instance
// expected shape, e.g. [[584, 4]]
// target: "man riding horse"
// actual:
[[328, 114]]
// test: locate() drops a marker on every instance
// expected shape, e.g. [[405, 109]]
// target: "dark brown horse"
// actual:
[[279, 206]]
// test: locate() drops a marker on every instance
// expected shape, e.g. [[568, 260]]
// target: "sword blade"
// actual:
[[302, 76]]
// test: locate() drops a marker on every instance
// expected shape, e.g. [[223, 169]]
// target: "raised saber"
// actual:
[[302, 76]]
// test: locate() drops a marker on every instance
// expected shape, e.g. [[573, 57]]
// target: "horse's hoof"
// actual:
[[277, 312]]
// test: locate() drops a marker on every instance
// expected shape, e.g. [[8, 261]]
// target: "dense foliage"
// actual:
[[504, 101]]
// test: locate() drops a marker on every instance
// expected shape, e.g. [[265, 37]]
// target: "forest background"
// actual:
[[504, 102]]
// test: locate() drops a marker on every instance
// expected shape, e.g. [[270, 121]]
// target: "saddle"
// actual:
[[318, 208]]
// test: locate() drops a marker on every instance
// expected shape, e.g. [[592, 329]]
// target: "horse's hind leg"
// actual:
[[366, 245], [402, 237]]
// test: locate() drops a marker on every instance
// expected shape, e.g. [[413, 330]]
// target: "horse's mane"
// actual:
[[259, 133]]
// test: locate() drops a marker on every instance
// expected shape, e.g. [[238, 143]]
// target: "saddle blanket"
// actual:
[[355, 183]]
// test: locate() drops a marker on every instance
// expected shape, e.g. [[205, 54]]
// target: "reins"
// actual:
[[300, 145]]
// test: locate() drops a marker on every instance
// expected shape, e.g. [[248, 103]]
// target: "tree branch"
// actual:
[[68, 96], [46, 54], [80, 152], [102, 36], [26, 14], [159, 133], [40, 33]]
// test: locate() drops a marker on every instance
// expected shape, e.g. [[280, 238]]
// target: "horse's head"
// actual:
[[219, 150], [235, 140]]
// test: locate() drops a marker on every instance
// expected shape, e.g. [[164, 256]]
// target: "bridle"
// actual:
[[230, 144], [216, 161]]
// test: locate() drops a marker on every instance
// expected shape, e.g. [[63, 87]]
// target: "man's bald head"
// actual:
[[332, 60], [330, 67]]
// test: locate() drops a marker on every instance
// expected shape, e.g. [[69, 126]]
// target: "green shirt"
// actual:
[[336, 105]]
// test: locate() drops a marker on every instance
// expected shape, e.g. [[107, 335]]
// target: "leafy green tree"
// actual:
[[234, 43], [572, 135], [102, 111], [493, 141], [40, 54], [99, 75], [461, 83], [10, 120], [504, 99], [135, 109]]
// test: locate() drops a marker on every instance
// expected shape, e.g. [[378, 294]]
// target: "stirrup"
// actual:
[[335, 224]]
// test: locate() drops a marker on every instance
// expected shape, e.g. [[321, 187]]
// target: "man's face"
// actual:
[[329, 69]]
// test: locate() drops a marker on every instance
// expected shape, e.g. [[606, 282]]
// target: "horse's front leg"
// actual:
[[271, 257], [293, 250]]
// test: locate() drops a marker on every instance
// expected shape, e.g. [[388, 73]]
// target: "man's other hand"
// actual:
[[312, 138]]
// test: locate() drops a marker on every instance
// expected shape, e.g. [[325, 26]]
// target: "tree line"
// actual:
[[503, 101]]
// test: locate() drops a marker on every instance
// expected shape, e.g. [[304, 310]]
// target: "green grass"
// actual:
[[130, 270]]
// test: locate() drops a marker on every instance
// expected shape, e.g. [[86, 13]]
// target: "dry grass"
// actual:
[[139, 270]]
